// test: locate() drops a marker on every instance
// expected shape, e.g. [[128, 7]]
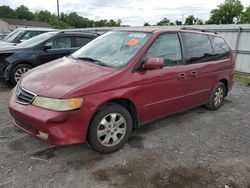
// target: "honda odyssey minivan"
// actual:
[[122, 79]]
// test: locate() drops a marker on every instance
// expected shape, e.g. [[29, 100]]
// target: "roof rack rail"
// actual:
[[86, 30], [196, 29]]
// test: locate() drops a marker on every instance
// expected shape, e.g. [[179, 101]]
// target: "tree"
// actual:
[[163, 22], [177, 22], [146, 24], [246, 16], [191, 20], [227, 13], [23, 12], [6, 12]]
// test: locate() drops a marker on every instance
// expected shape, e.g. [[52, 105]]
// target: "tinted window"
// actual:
[[220, 48], [62, 42], [197, 48], [168, 48], [81, 41]]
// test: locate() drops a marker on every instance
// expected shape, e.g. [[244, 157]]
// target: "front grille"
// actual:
[[24, 96]]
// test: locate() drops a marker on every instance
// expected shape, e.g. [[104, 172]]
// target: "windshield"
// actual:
[[114, 49], [13, 35], [36, 40]]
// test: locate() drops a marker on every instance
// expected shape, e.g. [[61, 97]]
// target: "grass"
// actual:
[[242, 78]]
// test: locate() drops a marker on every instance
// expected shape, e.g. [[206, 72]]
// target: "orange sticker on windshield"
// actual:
[[132, 42]]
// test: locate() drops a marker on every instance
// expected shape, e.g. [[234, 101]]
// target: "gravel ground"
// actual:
[[197, 148]]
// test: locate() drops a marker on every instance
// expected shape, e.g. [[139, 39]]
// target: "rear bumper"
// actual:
[[63, 128]]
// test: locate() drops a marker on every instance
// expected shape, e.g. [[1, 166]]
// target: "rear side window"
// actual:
[[220, 48], [167, 47], [197, 48], [81, 41]]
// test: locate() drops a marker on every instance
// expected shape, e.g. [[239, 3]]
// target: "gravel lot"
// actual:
[[197, 148]]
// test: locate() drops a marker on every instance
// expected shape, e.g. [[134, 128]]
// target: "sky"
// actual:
[[131, 12]]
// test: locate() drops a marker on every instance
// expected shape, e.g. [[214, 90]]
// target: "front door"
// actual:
[[58, 47], [162, 91]]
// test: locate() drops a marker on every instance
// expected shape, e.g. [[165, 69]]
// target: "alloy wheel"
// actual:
[[218, 96], [19, 72], [111, 129]]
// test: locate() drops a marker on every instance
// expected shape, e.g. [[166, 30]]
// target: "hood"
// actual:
[[59, 77], [6, 44], [10, 49]]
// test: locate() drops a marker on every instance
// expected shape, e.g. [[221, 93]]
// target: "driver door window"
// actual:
[[167, 47]]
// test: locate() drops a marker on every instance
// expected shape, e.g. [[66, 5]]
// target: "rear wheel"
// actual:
[[17, 72], [217, 97], [110, 128]]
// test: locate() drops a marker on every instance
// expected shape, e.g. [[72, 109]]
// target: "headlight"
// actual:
[[58, 104]]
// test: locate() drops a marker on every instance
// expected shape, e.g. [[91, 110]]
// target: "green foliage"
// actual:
[[23, 12], [163, 22], [178, 22], [67, 21], [6, 12], [246, 16], [227, 13], [191, 20]]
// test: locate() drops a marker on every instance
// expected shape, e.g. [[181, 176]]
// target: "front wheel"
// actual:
[[17, 72], [217, 97], [110, 128]]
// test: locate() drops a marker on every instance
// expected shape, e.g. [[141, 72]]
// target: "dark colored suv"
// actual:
[[119, 81], [20, 35], [16, 60]]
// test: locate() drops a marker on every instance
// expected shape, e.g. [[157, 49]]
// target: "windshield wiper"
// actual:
[[94, 60]]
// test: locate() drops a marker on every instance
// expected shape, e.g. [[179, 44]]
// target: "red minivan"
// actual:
[[122, 79]]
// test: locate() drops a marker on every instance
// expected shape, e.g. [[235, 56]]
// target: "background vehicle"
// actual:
[[16, 60], [2, 35], [21, 35], [119, 81]]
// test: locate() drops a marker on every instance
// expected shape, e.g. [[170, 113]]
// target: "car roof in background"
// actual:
[[36, 29], [90, 34]]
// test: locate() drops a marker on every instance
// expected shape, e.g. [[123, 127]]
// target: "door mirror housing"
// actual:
[[22, 40], [47, 46], [154, 63]]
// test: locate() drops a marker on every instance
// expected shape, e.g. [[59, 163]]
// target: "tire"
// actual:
[[217, 97], [17, 72], [110, 128]]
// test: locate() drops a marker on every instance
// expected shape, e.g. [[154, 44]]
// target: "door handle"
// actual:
[[181, 75], [193, 73]]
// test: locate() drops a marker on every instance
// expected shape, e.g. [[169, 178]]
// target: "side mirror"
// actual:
[[47, 46], [154, 63], [22, 40]]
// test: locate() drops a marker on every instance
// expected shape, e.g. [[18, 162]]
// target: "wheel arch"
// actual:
[[225, 82], [11, 66], [9, 69], [125, 102]]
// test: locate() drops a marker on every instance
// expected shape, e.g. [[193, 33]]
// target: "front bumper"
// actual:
[[63, 128]]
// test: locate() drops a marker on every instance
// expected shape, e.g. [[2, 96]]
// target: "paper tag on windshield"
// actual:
[[132, 42], [137, 35]]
